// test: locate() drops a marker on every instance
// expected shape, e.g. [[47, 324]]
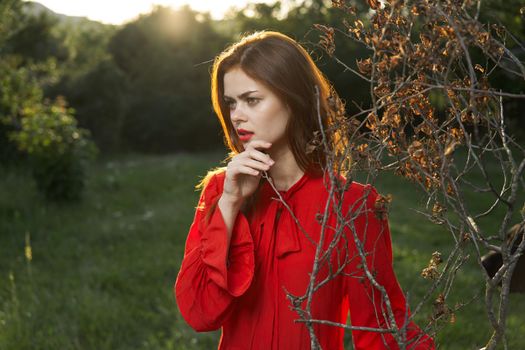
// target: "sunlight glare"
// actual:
[[120, 11]]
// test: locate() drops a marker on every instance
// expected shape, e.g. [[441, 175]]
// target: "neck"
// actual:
[[285, 172]]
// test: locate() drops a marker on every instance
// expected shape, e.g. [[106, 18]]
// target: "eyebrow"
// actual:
[[241, 96]]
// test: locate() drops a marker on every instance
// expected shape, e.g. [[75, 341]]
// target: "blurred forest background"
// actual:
[[117, 122]]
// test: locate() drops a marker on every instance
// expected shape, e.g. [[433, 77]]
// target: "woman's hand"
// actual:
[[244, 172]]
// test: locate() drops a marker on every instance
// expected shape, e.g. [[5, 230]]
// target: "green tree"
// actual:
[[38, 40], [31, 127], [99, 98], [165, 57]]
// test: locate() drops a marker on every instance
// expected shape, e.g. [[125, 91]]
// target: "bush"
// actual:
[[57, 149]]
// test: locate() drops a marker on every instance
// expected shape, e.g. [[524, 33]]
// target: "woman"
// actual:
[[253, 240]]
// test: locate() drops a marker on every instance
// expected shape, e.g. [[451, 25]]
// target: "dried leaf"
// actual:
[[364, 66], [310, 148], [479, 67], [437, 209], [381, 206], [374, 4], [451, 147], [425, 40], [431, 271]]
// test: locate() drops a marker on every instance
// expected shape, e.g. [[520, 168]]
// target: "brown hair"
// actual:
[[285, 67]]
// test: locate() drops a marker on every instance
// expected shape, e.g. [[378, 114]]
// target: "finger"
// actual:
[[255, 164], [245, 156], [259, 155], [243, 169]]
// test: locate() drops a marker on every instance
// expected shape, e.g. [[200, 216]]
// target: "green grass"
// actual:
[[102, 271]]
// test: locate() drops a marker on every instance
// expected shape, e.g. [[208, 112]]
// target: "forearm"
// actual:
[[204, 274], [229, 209]]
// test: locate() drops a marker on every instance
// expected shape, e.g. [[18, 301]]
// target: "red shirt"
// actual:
[[243, 289]]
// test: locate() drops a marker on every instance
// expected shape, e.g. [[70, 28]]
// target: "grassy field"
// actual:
[[102, 271]]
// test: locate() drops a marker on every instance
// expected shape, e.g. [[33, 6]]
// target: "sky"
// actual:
[[120, 11]]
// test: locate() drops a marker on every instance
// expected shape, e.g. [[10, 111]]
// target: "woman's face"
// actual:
[[255, 111]]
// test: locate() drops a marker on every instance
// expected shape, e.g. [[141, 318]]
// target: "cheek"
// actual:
[[283, 121], [280, 124], [272, 117], [279, 118]]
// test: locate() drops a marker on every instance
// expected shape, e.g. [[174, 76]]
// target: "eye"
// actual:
[[230, 104], [252, 101]]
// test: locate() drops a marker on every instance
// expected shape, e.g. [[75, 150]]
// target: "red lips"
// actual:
[[244, 135]]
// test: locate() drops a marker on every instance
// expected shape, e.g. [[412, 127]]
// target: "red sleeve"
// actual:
[[367, 305], [213, 274]]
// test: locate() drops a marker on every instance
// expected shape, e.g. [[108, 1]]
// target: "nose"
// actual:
[[237, 115]]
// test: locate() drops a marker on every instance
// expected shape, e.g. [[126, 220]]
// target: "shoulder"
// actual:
[[362, 190], [212, 184], [350, 192], [212, 178], [368, 195], [351, 188], [359, 192]]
